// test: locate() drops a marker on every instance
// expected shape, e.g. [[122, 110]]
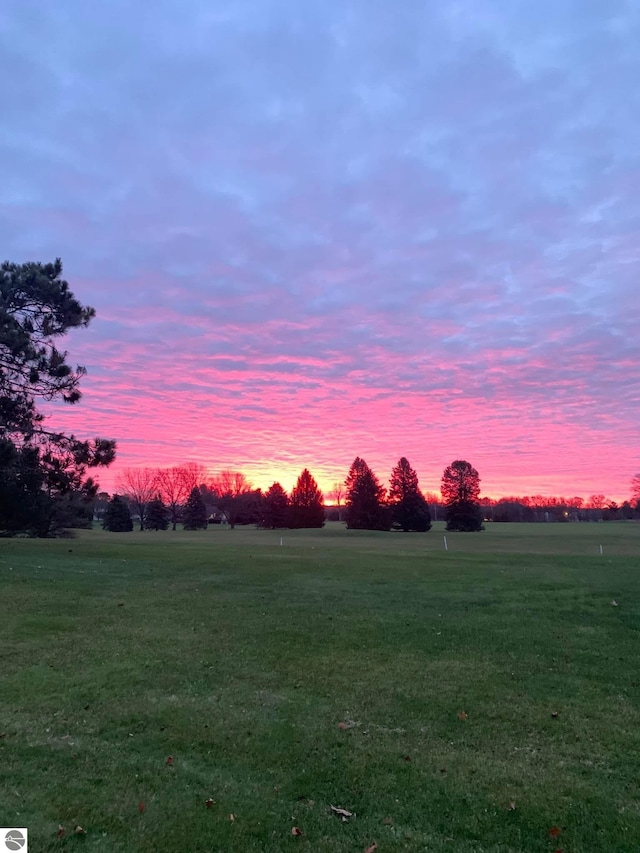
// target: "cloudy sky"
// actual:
[[333, 228]]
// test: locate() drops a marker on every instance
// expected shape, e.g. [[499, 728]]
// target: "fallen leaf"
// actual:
[[232, 818], [60, 833], [345, 814], [388, 821], [512, 806], [209, 803], [554, 715], [79, 830], [463, 715], [614, 603], [295, 830], [554, 832], [407, 758], [170, 760], [343, 726], [141, 807], [371, 849]]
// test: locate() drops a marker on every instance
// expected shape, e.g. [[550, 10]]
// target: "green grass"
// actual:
[[239, 658]]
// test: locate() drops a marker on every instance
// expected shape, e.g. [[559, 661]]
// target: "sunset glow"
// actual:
[[321, 231]]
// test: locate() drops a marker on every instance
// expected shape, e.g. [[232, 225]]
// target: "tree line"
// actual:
[[46, 485], [163, 497]]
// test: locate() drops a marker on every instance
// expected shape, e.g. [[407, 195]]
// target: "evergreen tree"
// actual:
[[44, 471], [117, 517], [461, 492], [157, 515], [194, 516], [275, 508], [365, 499], [247, 508], [409, 509], [307, 503]]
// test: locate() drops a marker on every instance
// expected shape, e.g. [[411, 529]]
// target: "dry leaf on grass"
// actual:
[[61, 831], [512, 806], [232, 818], [463, 715], [371, 849], [141, 807], [554, 832], [614, 603], [170, 760], [209, 803], [345, 814], [388, 821], [295, 830], [79, 830]]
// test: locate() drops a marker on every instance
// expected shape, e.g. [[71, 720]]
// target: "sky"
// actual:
[[318, 230]]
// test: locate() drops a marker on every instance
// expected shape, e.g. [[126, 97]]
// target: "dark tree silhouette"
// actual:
[[365, 499], [635, 492], [626, 510], [194, 516], [461, 492], [306, 506], [157, 515], [117, 518], [409, 509], [176, 483], [235, 496], [248, 507], [275, 508], [37, 308], [139, 485]]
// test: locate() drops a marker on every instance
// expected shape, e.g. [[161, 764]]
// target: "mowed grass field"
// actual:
[[211, 691]]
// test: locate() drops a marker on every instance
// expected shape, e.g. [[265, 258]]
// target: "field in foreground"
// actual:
[[211, 691]]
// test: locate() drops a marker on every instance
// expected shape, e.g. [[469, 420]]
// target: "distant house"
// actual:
[[218, 516]]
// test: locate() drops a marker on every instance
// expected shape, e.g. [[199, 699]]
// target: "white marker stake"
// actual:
[[446, 547], [281, 540], [601, 550]]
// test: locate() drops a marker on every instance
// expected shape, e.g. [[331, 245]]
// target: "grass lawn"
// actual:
[[483, 699]]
